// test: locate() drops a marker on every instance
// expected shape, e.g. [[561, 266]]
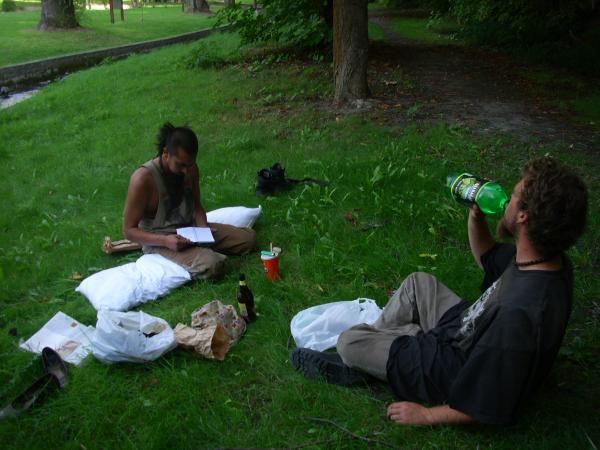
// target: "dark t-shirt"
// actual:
[[484, 358]]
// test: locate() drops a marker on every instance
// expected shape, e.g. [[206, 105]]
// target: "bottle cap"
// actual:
[[242, 277]]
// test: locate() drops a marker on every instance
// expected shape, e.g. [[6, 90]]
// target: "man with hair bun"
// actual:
[[164, 195], [474, 362]]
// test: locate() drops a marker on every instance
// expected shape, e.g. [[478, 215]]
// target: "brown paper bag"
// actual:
[[215, 329], [214, 312], [212, 342]]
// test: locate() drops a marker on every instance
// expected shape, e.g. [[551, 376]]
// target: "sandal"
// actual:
[[124, 245]]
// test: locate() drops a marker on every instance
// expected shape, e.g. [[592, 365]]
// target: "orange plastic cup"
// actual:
[[271, 266]]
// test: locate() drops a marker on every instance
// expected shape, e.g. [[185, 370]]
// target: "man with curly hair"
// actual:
[[475, 362]]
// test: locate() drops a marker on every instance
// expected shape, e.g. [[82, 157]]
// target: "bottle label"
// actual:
[[466, 187], [243, 310]]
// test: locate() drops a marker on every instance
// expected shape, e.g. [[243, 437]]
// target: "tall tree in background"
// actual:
[[350, 49], [57, 14], [193, 6], [307, 24]]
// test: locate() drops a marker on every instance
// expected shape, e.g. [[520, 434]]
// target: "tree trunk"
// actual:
[[119, 4], [229, 3], [57, 14], [194, 6], [111, 7], [350, 49]]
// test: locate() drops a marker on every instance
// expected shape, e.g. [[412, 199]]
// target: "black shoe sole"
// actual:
[[329, 367], [53, 364], [33, 394]]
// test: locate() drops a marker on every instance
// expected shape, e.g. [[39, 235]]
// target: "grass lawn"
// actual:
[[68, 153], [573, 93], [376, 32], [437, 31], [21, 42]]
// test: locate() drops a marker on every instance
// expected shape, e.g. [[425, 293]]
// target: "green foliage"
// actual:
[[435, 5], [79, 9], [561, 33], [9, 6], [207, 56], [299, 23], [518, 23]]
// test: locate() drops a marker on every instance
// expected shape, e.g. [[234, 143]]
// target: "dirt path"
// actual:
[[473, 87]]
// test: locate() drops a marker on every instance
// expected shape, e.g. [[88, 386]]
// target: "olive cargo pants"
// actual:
[[208, 262], [416, 306]]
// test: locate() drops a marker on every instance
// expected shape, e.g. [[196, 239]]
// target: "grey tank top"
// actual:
[[168, 216]]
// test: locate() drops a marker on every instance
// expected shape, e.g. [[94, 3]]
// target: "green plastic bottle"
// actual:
[[469, 189]]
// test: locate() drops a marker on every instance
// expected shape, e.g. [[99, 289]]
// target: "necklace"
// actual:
[[532, 262]]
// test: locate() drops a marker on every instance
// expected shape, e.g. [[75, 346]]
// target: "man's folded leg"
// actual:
[[202, 263], [362, 354], [421, 299], [231, 240], [366, 348]]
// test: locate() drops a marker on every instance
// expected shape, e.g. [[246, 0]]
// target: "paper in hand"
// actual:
[[198, 235]]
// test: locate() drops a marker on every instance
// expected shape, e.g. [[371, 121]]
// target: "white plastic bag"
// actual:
[[131, 336], [319, 327]]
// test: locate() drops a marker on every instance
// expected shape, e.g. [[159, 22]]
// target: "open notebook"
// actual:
[[198, 235]]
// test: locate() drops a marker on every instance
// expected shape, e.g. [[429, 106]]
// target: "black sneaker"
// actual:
[[326, 366]]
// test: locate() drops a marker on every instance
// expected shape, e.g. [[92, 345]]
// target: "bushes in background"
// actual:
[[9, 6]]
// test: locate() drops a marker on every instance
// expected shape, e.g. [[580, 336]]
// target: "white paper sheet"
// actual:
[[198, 235], [69, 338]]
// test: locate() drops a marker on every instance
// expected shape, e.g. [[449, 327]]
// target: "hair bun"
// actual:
[[164, 133]]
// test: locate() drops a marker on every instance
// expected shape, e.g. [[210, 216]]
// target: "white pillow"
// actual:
[[160, 275], [124, 287], [151, 276], [238, 216]]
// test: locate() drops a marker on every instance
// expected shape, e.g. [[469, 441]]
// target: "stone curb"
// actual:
[[44, 69]]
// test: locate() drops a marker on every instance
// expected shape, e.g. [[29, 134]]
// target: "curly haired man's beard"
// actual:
[[506, 228]]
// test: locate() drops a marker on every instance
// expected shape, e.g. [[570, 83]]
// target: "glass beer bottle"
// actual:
[[245, 300]]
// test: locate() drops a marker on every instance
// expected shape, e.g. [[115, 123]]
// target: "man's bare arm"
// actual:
[[199, 213], [480, 238], [409, 413], [138, 197]]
